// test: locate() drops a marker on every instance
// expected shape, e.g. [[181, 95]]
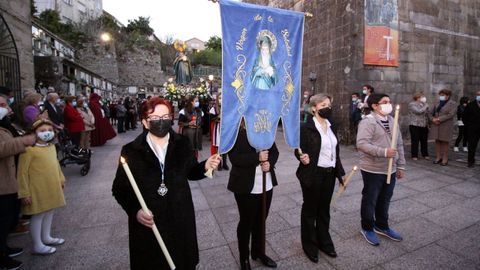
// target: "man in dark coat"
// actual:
[[471, 118], [54, 113], [173, 211]]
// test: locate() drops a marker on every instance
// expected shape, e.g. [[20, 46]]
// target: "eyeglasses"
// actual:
[[158, 117]]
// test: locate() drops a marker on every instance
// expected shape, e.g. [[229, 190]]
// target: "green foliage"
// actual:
[[50, 19], [140, 25], [214, 43], [33, 8], [108, 24], [207, 57]]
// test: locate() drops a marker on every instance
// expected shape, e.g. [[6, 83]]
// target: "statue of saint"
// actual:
[[181, 64], [264, 73]]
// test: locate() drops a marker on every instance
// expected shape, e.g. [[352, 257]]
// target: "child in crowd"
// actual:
[[40, 187]]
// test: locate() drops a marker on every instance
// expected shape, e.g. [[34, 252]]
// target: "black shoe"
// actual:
[[311, 257], [330, 253], [9, 263], [266, 261], [471, 165], [14, 252], [245, 265], [437, 161]]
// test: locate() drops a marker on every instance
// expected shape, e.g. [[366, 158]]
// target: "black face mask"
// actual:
[[325, 113], [160, 128]]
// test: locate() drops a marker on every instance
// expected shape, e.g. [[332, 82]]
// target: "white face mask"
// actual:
[[423, 99], [365, 92], [46, 136], [354, 99], [74, 103], [442, 98], [386, 109], [196, 104], [3, 112], [11, 100]]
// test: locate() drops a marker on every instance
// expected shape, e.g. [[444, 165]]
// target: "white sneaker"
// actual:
[[465, 149], [455, 149]]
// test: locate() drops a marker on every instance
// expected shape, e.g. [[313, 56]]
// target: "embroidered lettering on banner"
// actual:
[[241, 41]]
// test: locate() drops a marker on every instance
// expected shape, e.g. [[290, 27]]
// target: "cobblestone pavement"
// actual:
[[436, 208]]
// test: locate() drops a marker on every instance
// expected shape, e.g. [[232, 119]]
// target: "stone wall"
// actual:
[[101, 58], [17, 15], [439, 47], [140, 67]]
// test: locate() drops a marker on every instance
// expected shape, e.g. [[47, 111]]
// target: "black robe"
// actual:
[[173, 213]]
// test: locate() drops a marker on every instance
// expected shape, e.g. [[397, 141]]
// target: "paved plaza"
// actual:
[[436, 208]]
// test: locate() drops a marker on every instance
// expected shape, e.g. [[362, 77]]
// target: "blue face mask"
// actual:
[[442, 98], [11, 100], [74, 103], [477, 98], [197, 104]]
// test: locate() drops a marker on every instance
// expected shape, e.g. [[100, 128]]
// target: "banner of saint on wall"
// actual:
[[381, 33], [262, 58]]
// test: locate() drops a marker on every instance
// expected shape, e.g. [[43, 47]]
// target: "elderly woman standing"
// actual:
[[32, 108], [162, 162], [418, 112], [88, 121], [442, 125], [73, 120], [319, 166]]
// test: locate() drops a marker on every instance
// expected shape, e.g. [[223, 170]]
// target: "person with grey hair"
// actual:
[[88, 121], [319, 166], [55, 114]]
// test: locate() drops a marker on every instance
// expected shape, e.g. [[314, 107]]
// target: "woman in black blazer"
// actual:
[[246, 183], [319, 166]]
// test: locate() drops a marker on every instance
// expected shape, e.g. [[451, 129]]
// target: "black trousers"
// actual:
[[419, 135], [75, 137], [9, 212], [315, 215], [462, 134], [473, 138], [121, 124], [250, 225]]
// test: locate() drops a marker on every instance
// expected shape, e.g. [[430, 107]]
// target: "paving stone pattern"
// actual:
[[436, 208]]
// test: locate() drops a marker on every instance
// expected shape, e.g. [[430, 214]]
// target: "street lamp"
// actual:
[[313, 79], [105, 37], [210, 78]]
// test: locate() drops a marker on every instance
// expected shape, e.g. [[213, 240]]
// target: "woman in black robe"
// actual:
[[172, 211]]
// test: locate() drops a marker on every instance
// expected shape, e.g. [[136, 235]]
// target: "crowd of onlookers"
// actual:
[[32, 131], [434, 120]]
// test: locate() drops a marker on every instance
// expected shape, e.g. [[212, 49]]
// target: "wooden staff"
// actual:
[[344, 186], [145, 209], [394, 143]]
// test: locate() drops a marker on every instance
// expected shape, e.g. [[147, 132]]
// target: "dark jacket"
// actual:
[[471, 116], [55, 115], [310, 143], [245, 160], [173, 213]]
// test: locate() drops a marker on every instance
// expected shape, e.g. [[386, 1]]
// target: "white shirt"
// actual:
[[257, 187], [159, 151], [328, 155]]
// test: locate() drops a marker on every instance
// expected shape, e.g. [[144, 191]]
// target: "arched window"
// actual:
[[9, 65]]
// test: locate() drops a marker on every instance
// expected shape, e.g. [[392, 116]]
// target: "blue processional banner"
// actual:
[[262, 60]]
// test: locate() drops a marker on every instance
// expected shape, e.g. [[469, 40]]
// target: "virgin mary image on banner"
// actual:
[[264, 73]]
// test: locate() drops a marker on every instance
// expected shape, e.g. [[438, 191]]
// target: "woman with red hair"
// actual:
[[161, 162], [103, 130]]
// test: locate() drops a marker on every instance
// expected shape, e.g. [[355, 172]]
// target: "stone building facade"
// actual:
[[439, 47], [16, 15]]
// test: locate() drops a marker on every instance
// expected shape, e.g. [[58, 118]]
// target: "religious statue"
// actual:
[[181, 64], [264, 73]]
